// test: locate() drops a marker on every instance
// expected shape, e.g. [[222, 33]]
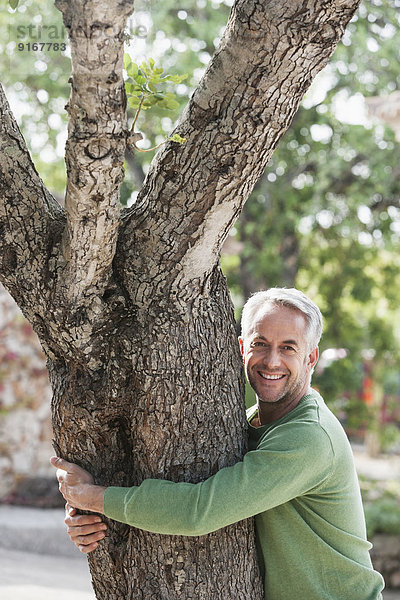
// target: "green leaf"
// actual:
[[145, 69], [132, 70], [133, 101], [133, 89], [178, 139], [140, 79], [174, 78], [13, 3], [150, 101], [177, 78], [152, 88], [127, 61], [154, 79], [169, 102]]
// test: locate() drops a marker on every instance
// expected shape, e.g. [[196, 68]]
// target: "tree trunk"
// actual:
[[131, 308], [164, 405]]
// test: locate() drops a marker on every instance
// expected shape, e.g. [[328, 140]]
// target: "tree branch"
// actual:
[[31, 222], [96, 145], [269, 54]]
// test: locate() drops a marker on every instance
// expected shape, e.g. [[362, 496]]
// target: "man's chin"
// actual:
[[271, 394], [269, 399]]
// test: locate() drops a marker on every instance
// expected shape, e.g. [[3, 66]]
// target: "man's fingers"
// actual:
[[86, 540], [70, 510], [87, 549], [80, 520], [60, 463], [86, 530]]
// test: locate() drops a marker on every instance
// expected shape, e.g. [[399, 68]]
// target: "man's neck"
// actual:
[[271, 412]]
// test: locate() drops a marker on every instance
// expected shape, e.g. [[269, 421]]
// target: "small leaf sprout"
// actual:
[[143, 91]]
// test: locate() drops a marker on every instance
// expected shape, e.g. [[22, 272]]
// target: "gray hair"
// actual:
[[291, 298]]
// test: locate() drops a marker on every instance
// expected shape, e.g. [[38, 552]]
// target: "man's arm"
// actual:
[[294, 459]]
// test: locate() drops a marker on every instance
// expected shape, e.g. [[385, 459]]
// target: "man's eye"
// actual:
[[288, 348], [258, 343]]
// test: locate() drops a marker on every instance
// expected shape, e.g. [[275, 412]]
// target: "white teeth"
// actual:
[[271, 376]]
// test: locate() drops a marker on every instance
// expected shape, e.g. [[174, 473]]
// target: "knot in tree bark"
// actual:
[[98, 148]]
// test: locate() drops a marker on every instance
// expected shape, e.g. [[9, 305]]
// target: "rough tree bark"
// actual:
[[131, 308]]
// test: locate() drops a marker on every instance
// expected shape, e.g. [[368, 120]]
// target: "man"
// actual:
[[298, 478]]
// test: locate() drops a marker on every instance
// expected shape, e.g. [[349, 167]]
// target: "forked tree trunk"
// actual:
[[131, 309]]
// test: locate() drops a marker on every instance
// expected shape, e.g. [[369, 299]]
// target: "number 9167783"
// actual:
[[42, 46]]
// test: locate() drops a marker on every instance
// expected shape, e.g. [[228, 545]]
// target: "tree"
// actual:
[[131, 308], [336, 180]]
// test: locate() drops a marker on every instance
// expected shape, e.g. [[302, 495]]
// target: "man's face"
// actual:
[[276, 358]]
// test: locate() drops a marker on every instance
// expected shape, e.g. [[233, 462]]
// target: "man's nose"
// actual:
[[272, 358]]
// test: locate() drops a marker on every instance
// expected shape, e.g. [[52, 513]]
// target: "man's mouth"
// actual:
[[270, 377]]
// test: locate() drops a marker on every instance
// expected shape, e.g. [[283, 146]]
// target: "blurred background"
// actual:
[[325, 217]]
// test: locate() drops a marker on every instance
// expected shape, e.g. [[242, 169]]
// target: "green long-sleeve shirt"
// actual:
[[299, 480]]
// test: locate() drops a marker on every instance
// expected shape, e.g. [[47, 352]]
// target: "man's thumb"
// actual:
[[59, 463]]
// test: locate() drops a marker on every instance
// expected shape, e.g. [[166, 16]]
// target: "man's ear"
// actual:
[[313, 358], [241, 345]]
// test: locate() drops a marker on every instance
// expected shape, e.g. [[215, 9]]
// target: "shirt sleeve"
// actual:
[[291, 461]]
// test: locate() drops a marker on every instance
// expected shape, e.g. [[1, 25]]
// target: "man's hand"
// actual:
[[77, 487], [85, 531]]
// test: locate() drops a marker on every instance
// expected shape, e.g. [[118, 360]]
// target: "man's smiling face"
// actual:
[[276, 358]]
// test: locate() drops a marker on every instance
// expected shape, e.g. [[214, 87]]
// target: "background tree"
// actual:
[[131, 309], [328, 203]]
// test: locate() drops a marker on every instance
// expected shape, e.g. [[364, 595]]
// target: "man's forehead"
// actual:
[[274, 314]]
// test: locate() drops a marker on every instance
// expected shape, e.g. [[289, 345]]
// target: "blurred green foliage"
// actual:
[[381, 505], [36, 83]]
